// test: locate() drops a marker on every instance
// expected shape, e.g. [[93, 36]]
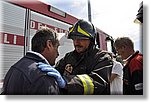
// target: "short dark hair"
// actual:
[[123, 41], [40, 38]]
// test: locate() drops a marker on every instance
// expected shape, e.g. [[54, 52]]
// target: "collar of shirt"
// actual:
[[38, 54], [127, 58], [135, 53]]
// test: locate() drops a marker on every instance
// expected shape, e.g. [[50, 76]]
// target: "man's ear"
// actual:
[[49, 44]]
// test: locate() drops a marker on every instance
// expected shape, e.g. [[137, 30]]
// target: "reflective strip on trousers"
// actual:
[[87, 84], [138, 86]]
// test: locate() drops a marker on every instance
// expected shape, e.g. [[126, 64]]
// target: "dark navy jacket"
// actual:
[[25, 78]]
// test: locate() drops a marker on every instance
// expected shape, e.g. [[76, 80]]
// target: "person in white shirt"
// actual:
[[116, 82]]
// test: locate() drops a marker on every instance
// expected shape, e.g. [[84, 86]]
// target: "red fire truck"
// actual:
[[19, 22]]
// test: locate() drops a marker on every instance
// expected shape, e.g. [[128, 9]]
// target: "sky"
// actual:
[[114, 17]]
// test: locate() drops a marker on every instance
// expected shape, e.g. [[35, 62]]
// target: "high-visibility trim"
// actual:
[[87, 84], [71, 30], [138, 86], [83, 32]]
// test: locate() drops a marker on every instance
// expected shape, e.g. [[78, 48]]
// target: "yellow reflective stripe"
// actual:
[[71, 30], [83, 32], [84, 83], [87, 84], [90, 84]]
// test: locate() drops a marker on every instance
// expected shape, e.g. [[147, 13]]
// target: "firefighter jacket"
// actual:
[[25, 78], [133, 75], [88, 73]]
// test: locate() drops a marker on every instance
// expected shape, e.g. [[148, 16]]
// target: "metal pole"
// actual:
[[89, 11]]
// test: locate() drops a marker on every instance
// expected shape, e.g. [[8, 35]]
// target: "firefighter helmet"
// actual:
[[82, 30]]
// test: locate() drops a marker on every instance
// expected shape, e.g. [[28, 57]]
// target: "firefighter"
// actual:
[[87, 69], [24, 77]]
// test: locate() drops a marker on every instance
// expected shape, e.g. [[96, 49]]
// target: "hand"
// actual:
[[51, 71]]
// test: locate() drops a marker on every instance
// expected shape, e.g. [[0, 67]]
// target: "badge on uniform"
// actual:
[[69, 68]]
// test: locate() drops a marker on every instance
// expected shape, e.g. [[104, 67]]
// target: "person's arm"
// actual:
[[113, 76], [96, 82], [51, 71], [117, 70], [77, 84]]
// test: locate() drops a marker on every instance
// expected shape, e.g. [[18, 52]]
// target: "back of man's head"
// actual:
[[40, 38], [124, 42]]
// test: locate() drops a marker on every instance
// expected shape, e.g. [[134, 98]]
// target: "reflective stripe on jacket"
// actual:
[[88, 71]]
